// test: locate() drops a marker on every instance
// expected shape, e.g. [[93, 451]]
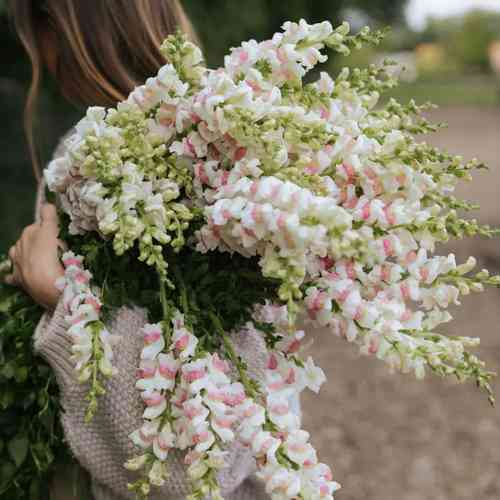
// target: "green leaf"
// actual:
[[35, 490], [7, 470], [6, 399], [8, 371], [21, 374], [18, 449]]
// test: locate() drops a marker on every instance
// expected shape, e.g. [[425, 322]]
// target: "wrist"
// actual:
[[44, 291], [52, 301]]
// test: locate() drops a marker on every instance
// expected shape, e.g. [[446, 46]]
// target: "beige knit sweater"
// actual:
[[103, 445]]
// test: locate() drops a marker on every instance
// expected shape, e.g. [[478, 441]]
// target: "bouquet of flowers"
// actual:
[[245, 199]]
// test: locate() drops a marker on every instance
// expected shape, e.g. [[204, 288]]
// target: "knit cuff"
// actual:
[[53, 343]]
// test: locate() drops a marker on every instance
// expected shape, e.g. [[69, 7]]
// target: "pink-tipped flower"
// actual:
[[168, 366], [234, 394], [164, 442], [153, 398], [154, 341]]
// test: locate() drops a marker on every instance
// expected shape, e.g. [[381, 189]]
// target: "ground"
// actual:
[[390, 437]]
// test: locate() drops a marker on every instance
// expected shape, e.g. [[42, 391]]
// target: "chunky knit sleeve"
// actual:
[[103, 445]]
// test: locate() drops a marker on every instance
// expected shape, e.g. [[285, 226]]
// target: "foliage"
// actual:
[[466, 38], [225, 284], [31, 438]]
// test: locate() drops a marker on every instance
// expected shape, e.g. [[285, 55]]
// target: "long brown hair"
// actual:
[[103, 48]]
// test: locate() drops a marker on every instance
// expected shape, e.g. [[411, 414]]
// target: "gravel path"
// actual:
[[390, 437]]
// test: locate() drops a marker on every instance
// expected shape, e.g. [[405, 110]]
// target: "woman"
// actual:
[[98, 52]]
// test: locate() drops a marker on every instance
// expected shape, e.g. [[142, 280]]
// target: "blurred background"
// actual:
[[387, 437]]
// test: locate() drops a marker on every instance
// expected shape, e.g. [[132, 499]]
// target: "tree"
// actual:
[[466, 38], [471, 42]]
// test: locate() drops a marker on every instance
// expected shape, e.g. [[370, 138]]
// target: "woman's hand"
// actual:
[[35, 259]]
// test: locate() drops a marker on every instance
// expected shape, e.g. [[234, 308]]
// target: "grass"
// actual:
[[464, 91]]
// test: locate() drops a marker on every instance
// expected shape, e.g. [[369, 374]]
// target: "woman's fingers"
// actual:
[[35, 260], [12, 254], [48, 213], [15, 256], [28, 230], [19, 251], [25, 239], [49, 218]]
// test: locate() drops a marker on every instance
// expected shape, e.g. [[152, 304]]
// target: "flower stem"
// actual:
[[95, 388], [182, 290], [234, 358], [163, 299], [165, 306]]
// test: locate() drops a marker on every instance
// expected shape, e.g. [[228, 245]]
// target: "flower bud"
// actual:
[[136, 463], [85, 374], [463, 288]]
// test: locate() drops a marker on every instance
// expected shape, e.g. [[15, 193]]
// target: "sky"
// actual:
[[419, 10]]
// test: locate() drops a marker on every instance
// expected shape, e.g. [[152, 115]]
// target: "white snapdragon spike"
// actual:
[[207, 416], [376, 310], [287, 462], [92, 349], [287, 57], [188, 407], [207, 411]]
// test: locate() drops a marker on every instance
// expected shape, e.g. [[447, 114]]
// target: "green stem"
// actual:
[[234, 358], [183, 290], [165, 306], [163, 299], [167, 415], [92, 407]]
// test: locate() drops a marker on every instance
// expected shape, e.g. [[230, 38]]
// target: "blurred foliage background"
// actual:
[[448, 62]]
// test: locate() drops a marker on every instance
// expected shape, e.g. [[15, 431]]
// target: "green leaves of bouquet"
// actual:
[[31, 438]]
